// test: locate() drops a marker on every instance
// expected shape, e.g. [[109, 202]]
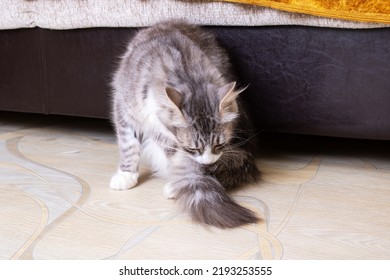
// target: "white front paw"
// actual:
[[123, 180], [169, 191]]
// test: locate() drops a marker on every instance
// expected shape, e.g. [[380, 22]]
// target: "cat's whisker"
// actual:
[[244, 140]]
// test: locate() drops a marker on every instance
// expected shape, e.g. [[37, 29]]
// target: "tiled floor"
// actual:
[[320, 198]]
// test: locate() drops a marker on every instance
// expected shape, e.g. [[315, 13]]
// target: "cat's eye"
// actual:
[[219, 147], [192, 150]]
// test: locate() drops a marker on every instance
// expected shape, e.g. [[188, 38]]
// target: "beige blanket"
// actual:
[[70, 14]]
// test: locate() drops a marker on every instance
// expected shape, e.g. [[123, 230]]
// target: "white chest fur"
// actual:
[[154, 156]]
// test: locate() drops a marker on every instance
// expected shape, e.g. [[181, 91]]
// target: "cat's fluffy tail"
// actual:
[[205, 200]]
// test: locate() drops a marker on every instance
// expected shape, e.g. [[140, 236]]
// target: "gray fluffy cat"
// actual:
[[175, 104]]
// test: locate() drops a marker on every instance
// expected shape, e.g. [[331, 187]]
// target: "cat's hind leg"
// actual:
[[129, 150]]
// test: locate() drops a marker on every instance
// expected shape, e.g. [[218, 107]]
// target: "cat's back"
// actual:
[[173, 46], [177, 34]]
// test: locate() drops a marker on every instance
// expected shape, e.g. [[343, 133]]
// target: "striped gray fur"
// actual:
[[175, 105]]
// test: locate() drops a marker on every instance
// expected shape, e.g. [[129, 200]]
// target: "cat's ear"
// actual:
[[228, 109], [175, 99], [175, 96], [227, 95]]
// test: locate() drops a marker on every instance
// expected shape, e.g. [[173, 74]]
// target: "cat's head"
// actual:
[[203, 123]]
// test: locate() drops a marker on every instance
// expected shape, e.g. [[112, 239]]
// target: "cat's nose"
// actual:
[[207, 157], [206, 160]]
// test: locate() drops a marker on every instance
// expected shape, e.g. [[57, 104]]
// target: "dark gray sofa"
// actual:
[[320, 81]]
